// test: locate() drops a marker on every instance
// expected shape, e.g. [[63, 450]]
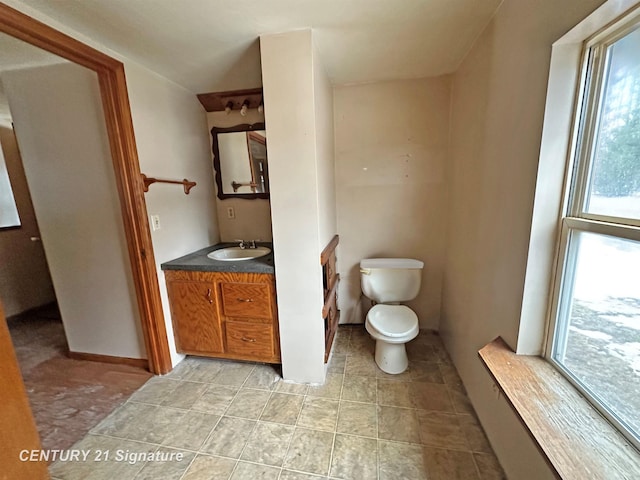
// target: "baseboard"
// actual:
[[94, 357]]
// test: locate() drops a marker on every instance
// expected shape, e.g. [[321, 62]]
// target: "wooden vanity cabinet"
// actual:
[[224, 314]]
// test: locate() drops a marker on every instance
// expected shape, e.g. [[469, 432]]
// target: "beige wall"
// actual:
[[25, 282], [391, 148], [296, 150], [325, 147], [252, 217], [60, 128], [496, 123], [172, 141]]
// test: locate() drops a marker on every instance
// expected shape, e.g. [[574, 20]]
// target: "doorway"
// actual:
[[18, 430], [56, 110]]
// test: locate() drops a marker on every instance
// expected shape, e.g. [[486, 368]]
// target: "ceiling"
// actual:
[[212, 45]]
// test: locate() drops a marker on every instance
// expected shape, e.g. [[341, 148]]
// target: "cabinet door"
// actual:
[[195, 320]]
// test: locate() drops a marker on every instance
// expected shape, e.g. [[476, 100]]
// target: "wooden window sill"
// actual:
[[577, 442]]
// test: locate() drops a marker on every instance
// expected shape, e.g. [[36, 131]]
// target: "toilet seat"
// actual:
[[393, 321]]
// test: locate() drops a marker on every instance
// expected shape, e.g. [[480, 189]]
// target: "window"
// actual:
[[595, 314], [9, 217]]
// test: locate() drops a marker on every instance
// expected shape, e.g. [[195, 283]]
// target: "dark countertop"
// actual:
[[198, 261]]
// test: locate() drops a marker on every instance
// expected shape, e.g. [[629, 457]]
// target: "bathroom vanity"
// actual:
[[224, 309]]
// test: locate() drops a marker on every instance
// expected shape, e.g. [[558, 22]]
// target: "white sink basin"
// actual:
[[234, 254]]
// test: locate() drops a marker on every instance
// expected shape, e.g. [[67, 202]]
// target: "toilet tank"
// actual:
[[391, 280]]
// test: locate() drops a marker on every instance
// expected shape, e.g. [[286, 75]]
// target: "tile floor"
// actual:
[[232, 420]]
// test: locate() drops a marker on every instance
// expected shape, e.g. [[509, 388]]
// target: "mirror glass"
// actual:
[[240, 161]]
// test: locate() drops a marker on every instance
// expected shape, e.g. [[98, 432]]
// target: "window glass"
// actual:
[[9, 217], [614, 186], [598, 341]]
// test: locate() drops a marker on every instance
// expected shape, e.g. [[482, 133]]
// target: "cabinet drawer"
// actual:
[[249, 339], [249, 300]]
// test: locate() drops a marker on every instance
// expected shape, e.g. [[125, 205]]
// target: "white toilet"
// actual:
[[389, 281]]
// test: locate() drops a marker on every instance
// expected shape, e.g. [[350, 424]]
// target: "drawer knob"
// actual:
[[245, 299], [250, 340]]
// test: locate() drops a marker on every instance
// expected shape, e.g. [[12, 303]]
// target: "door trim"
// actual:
[[117, 111]]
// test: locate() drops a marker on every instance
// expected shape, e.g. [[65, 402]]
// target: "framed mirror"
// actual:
[[240, 161]]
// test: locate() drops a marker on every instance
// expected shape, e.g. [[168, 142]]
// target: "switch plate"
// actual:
[[155, 222], [231, 213]]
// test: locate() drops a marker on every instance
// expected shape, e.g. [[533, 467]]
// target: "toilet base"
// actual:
[[391, 357]]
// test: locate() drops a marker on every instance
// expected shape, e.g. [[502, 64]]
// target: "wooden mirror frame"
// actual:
[[119, 124], [245, 127]]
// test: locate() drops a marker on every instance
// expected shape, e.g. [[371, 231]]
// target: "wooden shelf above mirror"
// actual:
[[217, 101]]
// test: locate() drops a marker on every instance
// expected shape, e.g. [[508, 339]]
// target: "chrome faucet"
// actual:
[[247, 243]]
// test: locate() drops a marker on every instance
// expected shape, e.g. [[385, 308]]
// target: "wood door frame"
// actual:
[[117, 111]]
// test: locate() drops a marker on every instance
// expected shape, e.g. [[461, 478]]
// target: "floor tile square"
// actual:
[[229, 437], [431, 396], [359, 389], [395, 394], [248, 403], [449, 464], [441, 430], [358, 419], [268, 444], [191, 430], [429, 372], [361, 365], [184, 395], [155, 391], [215, 400], [265, 377], [420, 352], [319, 414], [155, 426], [354, 458], [399, 424], [310, 451], [282, 408], [401, 461], [203, 370], [292, 387], [331, 388], [118, 423], [233, 373]]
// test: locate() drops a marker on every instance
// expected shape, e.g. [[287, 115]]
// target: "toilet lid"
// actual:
[[393, 320]]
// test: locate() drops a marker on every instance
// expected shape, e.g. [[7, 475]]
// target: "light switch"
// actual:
[[155, 222], [231, 213]]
